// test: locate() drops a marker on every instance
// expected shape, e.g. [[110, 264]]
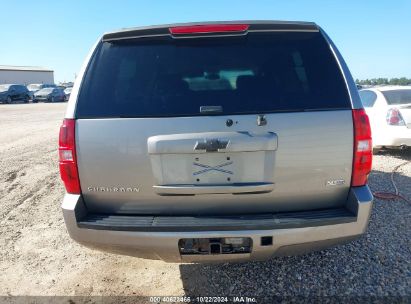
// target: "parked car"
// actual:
[[66, 84], [215, 142], [49, 95], [67, 93], [34, 87], [389, 109], [13, 92]]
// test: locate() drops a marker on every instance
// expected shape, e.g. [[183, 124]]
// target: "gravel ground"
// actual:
[[38, 258]]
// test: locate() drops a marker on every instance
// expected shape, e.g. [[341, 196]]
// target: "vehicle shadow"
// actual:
[[374, 265], [20, 101], [404, 154]]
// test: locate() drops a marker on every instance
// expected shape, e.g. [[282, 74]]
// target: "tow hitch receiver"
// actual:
[[229, 245]]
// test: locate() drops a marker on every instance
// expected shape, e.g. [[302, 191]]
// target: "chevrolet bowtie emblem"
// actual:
[[211, 145]]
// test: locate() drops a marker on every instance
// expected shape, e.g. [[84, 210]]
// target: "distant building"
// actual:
[[25, 75]]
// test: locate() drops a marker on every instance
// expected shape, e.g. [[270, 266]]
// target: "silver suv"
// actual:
[[215, 142]]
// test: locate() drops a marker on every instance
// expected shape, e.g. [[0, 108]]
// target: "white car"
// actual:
[[389, 110]]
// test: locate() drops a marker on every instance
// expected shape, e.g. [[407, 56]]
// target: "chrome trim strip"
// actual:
[[214, 189]]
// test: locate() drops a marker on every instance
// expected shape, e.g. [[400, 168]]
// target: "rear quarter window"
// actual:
[[256, 73], [368, 98]]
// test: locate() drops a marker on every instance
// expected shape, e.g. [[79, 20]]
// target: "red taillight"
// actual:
[[67, 157], [362, 161], [394, 117], [211, 28]]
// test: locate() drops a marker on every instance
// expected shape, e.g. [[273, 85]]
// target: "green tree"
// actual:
[[384, 81]]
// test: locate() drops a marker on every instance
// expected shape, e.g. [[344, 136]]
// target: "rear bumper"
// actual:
[[395, 136], [290, 236]]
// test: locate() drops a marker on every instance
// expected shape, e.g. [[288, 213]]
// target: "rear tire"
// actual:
[[26, 99], [8, 100]]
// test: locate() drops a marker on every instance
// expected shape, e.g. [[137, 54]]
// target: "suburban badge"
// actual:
[[336, 182], [113, 189]]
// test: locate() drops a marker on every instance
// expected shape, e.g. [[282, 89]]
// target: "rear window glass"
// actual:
[[256, 73], [397, 97]]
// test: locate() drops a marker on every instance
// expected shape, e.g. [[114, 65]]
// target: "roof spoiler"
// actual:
[[205, 29]]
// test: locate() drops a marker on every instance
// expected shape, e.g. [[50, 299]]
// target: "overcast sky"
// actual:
[[373, 36]]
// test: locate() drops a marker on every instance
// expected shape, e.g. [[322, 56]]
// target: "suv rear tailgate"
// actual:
[[114, 153]]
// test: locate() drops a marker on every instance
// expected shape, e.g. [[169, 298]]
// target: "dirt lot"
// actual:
[[37, 257]]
